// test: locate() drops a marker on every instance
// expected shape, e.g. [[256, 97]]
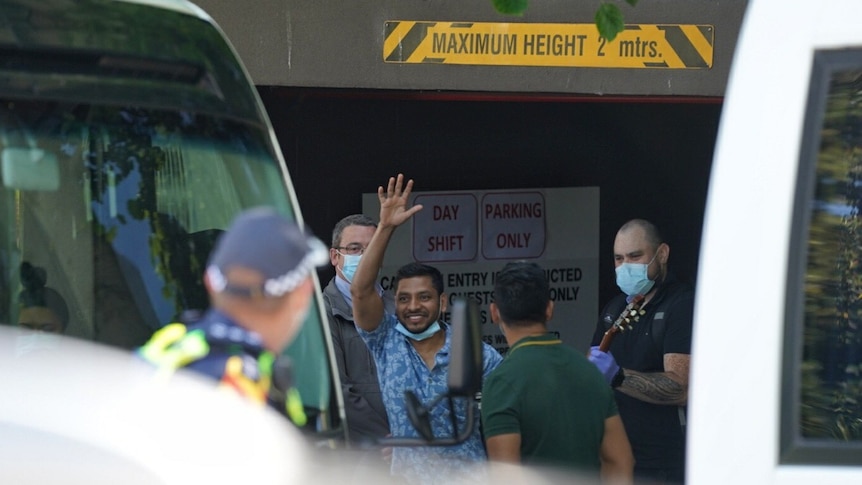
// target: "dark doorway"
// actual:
[[650, 157]]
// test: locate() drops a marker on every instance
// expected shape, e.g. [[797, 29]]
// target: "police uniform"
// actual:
[[217, 347], [228, 350]]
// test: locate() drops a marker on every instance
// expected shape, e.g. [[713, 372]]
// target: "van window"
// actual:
[[120, 206], [822, 415], [114, 209]]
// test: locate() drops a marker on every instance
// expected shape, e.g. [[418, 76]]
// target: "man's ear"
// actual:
[[444, 302], [495, 313], [207, 283], [215, 297], [549, 311], [300, 297], [664, 253], [333, 257]]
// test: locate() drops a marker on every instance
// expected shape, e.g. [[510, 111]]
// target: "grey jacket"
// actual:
[[363, 402]]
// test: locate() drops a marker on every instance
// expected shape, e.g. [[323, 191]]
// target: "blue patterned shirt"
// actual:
[[399, 368]]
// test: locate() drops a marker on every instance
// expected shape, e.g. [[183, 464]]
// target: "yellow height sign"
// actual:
[[568, 45]]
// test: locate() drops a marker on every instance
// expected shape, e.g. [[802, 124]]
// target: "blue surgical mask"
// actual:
[[35, 341], [351, 262], [431, 330], [633, 278]]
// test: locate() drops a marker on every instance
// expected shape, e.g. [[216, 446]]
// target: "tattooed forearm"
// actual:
[[657, 388]]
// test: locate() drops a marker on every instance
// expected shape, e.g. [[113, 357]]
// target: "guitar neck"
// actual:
[[605, 344]]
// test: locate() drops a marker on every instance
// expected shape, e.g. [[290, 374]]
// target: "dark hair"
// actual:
[[521, 293], [415, 270], [36, 294], [651, 233], [351, 220]]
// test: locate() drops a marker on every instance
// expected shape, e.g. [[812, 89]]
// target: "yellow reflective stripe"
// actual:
[[294, 408], [155, 349], [172, 347]]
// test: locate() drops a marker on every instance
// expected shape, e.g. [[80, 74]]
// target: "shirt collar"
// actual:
[[344, 288], [546, 339]]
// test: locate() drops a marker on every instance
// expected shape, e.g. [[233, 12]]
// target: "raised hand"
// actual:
[[394, 200]]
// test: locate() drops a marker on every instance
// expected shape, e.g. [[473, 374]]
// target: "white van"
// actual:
[[776, 384], [130, 137]]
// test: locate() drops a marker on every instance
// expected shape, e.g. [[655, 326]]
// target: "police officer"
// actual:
[[259, 281]]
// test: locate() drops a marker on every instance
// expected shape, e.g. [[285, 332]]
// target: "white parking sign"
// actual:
[[513, 225]]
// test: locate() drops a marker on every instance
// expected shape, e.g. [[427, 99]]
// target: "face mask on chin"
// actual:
[[633, 278], [428, 332], [348, 269]]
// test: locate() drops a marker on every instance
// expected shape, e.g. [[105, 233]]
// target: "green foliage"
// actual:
[[511, 7], [609, 21], [609, 18]]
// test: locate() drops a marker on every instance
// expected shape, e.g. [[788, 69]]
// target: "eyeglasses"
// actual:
[[350, 249]]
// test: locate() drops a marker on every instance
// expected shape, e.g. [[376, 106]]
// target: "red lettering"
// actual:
[[513, 240], [514, 210], [445, 212], [445, 243]]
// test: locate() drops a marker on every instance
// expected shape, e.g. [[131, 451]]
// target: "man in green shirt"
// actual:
[[546, 404]]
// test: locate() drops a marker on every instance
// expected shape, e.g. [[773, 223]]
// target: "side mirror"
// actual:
[[464, 381], [465, 364]]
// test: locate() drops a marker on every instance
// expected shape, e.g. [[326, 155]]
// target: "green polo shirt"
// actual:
[[552, 396]]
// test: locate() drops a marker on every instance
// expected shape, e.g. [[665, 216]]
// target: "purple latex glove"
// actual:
[[605, 362]]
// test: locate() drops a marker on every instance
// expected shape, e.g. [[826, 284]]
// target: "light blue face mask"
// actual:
[[36, 341], [431, 330], [633, 278], [351, 262]]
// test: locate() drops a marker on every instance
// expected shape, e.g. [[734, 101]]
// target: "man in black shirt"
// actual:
[[648, 364]]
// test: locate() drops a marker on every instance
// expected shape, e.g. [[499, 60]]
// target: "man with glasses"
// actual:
[[363, 403]]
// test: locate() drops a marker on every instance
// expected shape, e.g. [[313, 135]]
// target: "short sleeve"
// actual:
[[611, 409], [491, 359], [376, 339], [499, 407]]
